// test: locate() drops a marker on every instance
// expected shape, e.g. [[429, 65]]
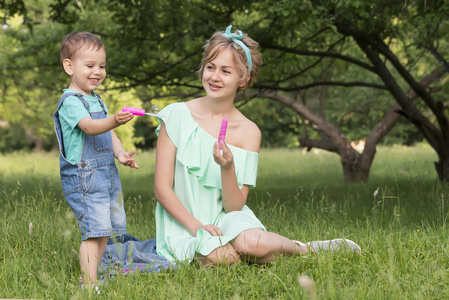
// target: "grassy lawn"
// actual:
[[402, 230]]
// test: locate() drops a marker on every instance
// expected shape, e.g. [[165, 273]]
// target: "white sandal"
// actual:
[[301, 244], [334, 245]]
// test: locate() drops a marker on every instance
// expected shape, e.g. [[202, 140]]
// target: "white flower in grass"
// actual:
[[30, 228], [376, 192]]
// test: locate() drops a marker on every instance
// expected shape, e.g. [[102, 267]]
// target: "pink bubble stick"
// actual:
[[134, 111], [139, 112], [222, 135]]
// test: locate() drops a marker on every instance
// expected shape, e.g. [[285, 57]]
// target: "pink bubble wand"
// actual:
[[141, 112], [222, 135]]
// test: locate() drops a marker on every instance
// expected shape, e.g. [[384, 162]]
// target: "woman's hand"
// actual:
[[212, 229], [224, 158]]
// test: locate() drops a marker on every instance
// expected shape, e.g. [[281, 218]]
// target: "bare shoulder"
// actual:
[[248, 134], [195, 108]]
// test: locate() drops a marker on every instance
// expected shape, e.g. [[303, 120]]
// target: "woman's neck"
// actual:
[[217, 108]]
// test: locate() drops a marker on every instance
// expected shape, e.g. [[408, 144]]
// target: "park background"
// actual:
[[337, 75]]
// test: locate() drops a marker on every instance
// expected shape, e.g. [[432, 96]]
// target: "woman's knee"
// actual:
[[251, 242]]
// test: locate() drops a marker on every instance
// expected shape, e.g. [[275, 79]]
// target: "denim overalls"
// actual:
[[92, 186]]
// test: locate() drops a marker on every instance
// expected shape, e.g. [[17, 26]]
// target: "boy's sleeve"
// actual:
[[72, 111]]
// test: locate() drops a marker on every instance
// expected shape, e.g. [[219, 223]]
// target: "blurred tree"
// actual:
[[31, 78], [25, 92], [393, 46], [337, 64], [308, 47], [9, 9]]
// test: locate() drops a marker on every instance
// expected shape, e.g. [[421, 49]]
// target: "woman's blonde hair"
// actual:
[[218, 42]]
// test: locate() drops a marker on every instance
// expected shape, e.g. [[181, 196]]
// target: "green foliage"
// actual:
[[13, 138], [402, 231], [154, 56], [10, 8], [280, 126]]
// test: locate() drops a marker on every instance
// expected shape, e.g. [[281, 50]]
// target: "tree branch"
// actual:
[[438, 56], [376, 44], [323, 83], [151, 76], [433, 136], [320, 53], [340, 141], [325, 144]]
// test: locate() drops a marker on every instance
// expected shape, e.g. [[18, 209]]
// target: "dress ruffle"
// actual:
[[199, 160]]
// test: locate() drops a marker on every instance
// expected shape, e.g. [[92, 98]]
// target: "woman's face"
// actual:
[[221, 78]]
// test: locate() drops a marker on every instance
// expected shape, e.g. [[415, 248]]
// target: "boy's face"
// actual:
[[87, 68]]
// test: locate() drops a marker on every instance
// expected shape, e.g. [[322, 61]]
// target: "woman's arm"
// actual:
[[163, 186], [233, 198]]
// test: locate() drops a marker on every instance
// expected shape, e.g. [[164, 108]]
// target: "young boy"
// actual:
[[88, 145]]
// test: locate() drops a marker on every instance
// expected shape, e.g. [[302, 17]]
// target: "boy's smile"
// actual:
[[87, 69]]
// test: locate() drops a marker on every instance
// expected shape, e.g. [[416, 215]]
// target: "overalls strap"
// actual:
[[101, 103], [56, 121]]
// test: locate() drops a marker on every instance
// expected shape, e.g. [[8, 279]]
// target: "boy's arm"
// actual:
[[125, 158], [98, 126]]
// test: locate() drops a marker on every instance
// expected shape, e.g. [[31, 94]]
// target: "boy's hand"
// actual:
[[123, 117], [126, 159]]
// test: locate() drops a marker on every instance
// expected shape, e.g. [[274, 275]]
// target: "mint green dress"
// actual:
[[197, 183]]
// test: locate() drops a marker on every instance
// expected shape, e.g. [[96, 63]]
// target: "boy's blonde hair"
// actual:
[[218, 42], [75, 40]]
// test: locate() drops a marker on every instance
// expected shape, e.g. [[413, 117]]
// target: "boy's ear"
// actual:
[[67, 64]]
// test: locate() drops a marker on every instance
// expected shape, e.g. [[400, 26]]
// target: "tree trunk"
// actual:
[[351, 163], [38, 145], [38, 141], [442, 166]]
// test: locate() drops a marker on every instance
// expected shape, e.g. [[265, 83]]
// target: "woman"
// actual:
[[202, 186]]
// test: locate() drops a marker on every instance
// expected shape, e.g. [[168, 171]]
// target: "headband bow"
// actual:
[[236, 38]]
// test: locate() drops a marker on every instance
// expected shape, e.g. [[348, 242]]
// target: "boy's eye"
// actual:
[[103, 67]]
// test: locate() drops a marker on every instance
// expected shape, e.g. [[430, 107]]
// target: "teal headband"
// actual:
[[236, 38]]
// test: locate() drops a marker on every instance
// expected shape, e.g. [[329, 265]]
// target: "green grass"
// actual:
[[402, 231]]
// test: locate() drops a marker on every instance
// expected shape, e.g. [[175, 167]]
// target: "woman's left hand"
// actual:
[[224, 157]]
